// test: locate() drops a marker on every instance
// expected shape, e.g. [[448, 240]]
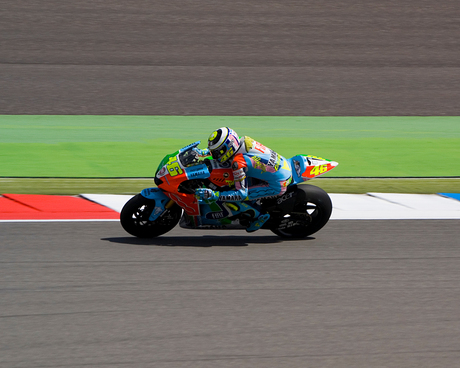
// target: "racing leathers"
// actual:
[[258, 172]]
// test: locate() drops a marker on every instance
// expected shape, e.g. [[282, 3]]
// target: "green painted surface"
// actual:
[[132, 146]]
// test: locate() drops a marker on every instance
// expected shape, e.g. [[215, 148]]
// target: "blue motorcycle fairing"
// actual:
[[190, 146], [160, 201], [221, 215]]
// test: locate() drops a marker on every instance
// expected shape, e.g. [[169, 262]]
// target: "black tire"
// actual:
[[312, 210], [134, 218]]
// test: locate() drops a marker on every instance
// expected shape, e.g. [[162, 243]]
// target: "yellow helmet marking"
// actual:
[[212, 136]]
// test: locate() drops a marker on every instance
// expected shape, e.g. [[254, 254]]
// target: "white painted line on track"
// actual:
[[112, 201], [397, 206], [375, 206], [420, 201], [371, 206]]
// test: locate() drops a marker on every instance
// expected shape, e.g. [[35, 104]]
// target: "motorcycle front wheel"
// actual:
[[134, 218], [312, 210]]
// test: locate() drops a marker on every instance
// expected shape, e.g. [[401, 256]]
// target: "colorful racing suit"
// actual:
[[258, 172]]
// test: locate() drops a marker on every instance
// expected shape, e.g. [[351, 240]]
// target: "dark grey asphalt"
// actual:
[[211, 57], [357, 294]]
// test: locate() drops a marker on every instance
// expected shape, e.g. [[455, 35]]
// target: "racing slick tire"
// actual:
[[312, 210], [134, 218]]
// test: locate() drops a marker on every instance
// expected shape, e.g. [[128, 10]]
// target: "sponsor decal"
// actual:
[[221, 212], [273, 159], [257, 163], [260, 147], [162, 172], [215, 215], [230, 197], [196, 173], [284, 197], [239, 175], [287, 224]]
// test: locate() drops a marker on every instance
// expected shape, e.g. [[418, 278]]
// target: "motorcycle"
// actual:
[[301, 211]]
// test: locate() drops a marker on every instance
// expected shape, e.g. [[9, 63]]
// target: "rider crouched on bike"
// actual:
[[250, 160]]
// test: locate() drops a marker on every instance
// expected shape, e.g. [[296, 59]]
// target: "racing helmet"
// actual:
[[223, 144]]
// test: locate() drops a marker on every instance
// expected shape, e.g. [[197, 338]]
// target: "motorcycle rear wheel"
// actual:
[[311, 212], [134, 218]]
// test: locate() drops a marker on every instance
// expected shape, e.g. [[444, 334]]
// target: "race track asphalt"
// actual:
[[356, 294], [207, 57]]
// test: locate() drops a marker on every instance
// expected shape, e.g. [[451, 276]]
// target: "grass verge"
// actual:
[[132, 146]]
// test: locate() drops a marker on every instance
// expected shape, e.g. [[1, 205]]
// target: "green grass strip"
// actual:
[[132, 146]]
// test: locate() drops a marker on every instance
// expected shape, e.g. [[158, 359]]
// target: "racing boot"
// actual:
[[258, 223], [249, 217]]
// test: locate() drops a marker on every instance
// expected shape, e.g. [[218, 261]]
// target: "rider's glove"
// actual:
[[206, 195]]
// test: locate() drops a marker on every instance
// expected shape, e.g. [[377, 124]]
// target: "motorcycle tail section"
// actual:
[[307, 167]]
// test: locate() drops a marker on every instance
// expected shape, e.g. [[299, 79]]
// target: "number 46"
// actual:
[[173, 167], [318, 170]]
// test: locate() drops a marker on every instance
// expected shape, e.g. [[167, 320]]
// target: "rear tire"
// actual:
[[134, 218], [312, 210]]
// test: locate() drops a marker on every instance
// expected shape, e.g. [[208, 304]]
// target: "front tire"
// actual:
[[134, 218], [312, 210]]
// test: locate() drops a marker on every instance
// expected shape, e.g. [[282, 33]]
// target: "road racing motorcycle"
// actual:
[[301, 211]]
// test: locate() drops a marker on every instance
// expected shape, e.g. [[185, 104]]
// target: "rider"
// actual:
[[258, 171]]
